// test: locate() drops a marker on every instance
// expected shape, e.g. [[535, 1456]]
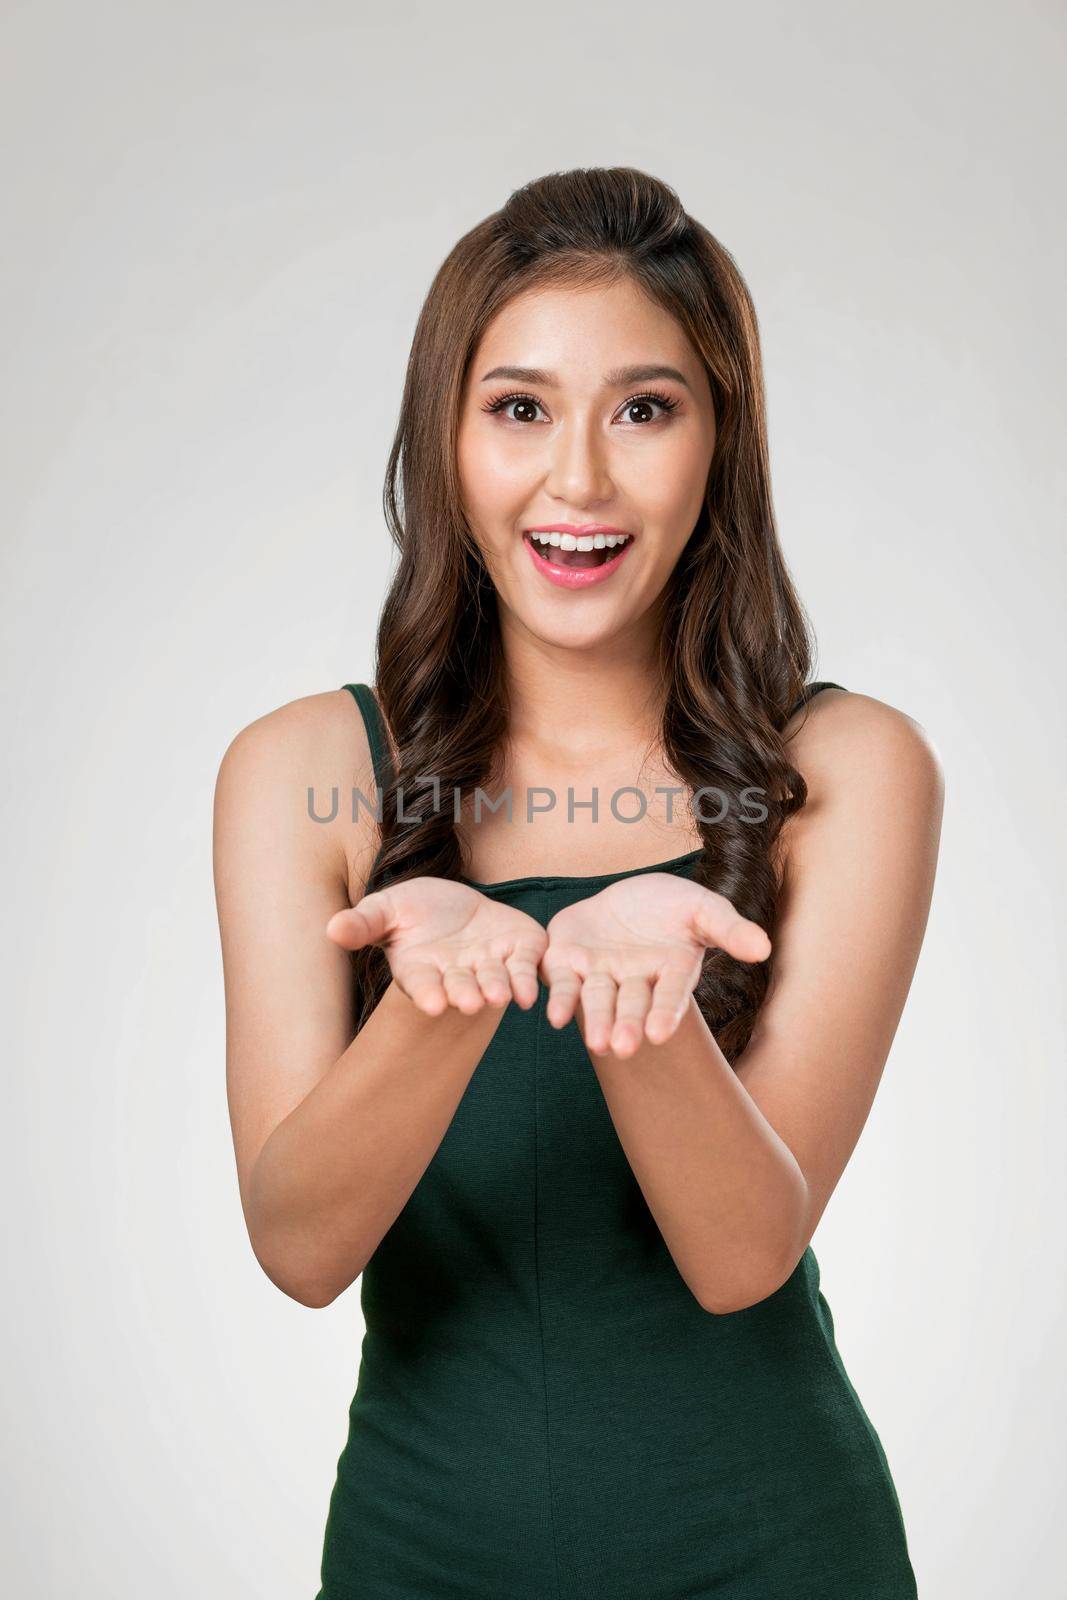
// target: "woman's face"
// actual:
[[572, 420]]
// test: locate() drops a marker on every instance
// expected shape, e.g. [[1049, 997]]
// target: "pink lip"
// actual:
[[581, 530], [575, 577]]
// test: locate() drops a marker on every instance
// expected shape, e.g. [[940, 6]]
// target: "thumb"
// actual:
[[369, 921], [718, 923]]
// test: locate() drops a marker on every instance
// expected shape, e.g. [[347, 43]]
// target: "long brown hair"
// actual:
[[736, 645]]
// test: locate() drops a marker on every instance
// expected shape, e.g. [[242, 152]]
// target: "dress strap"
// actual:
[[363, 695], [811, 690]]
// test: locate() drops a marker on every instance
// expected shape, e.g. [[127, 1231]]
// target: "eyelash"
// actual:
[[656, 396]]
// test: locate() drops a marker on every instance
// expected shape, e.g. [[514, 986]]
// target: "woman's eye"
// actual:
[[648, 404], [523, 405], [640, 405]]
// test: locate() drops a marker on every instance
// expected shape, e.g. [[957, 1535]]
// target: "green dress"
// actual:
[[544, 1411]]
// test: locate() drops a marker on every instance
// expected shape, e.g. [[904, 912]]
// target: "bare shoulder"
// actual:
[[841, 735], [864, 755], [315, 727], [291, 772]]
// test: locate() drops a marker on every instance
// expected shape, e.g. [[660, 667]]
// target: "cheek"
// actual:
[[671, 492], [491, 474]]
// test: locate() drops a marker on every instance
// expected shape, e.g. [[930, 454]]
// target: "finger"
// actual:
[[599, 991], [522, 965], [421, 982], [564, 986], [670, 998], [493, 980], [462, 989], [717, 922], [367, 922], [631, 1008]]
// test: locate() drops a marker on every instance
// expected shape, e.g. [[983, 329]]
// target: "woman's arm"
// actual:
[[737, 1166], [331, 1133]]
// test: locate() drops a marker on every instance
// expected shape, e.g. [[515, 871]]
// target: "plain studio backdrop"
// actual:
[[220, 225]]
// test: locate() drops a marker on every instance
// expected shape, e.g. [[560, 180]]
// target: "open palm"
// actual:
[[631, 956], [446, 944]]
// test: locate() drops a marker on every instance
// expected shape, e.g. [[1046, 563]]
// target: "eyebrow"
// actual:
[[618, 378]]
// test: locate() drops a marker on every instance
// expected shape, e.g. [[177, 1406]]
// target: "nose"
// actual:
[[578, 472]]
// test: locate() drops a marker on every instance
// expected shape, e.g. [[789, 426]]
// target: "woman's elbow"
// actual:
[[297, 1277], [723, 1299], [766, 1268]]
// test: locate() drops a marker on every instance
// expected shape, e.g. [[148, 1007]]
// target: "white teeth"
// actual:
[[568, 541]]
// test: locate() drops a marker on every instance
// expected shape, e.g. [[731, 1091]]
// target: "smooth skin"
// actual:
[[332, 1132]]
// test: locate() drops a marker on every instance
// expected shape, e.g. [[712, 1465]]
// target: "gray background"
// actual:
[[220, 225]]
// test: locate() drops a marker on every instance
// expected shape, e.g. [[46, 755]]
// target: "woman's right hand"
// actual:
[[446, 944]]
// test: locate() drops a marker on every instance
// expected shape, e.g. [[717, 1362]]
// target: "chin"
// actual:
[[565, 631]]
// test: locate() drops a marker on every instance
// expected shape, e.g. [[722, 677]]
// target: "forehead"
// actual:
[[580, 332]]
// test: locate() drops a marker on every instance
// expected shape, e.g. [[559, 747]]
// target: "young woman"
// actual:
[[571, 1084]]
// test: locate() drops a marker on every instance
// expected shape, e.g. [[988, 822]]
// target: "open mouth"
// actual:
[[576, 554]]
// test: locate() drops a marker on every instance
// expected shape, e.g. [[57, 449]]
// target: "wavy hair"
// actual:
[[735, 645]]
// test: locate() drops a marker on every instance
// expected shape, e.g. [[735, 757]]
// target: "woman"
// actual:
[[597, 1359]]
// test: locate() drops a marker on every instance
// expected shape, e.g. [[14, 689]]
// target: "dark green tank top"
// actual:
[[543, 1410]]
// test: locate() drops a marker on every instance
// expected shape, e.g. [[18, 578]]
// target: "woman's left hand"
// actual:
[[631, 956]]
